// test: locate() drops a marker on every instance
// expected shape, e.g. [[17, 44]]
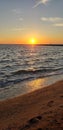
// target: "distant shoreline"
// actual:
[[32, 45]]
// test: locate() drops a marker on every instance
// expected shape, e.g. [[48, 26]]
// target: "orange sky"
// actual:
[[21, 21]]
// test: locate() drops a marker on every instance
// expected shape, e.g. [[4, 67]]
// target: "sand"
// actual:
[[38, 110]]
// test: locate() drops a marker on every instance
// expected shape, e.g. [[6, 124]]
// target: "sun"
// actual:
[[32, 41]]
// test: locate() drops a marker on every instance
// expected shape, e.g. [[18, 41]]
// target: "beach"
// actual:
[[31, 65], [39, 110]]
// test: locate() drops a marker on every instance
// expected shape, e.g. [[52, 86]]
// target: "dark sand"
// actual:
[[39, 110]]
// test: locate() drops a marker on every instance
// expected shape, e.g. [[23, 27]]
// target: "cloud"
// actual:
[[51, 19], [16, 11], [56, 21], [58, 24], [18, 29], [18, 14], [40, 2], [20, 19]]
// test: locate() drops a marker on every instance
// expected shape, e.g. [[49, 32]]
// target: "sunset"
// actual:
[[32, 41], [42, 19], [31, 64]]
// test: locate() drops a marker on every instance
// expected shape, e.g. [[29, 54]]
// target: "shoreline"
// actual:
[[28, 87], [36, 110]]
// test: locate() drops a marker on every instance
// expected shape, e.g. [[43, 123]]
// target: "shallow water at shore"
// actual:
[[30, 86]]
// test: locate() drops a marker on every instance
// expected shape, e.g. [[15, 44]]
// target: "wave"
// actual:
[[19, 72], [28, 75], [43, 70]]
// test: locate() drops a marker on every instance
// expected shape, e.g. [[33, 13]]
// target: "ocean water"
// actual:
[[20, 64]]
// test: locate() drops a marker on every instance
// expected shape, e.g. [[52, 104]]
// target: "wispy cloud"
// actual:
[[40, 2], [51, 19], [21, 19], [56, 21], [16, 11], [58, 24], [18, 29]]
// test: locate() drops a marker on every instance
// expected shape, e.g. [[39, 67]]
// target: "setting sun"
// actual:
[[32, 41]]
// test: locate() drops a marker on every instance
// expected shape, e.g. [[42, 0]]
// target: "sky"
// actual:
[[22, 20]]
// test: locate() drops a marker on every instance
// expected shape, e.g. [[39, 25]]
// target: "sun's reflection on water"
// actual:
[[35, 84]]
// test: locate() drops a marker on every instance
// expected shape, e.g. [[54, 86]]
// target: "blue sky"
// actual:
[[21, 20]]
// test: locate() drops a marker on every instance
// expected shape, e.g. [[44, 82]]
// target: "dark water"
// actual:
[[19, 63]]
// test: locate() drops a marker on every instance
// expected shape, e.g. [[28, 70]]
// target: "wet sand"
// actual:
[[38, 110]]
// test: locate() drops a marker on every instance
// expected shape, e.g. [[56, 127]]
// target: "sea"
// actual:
[[25, 68]]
